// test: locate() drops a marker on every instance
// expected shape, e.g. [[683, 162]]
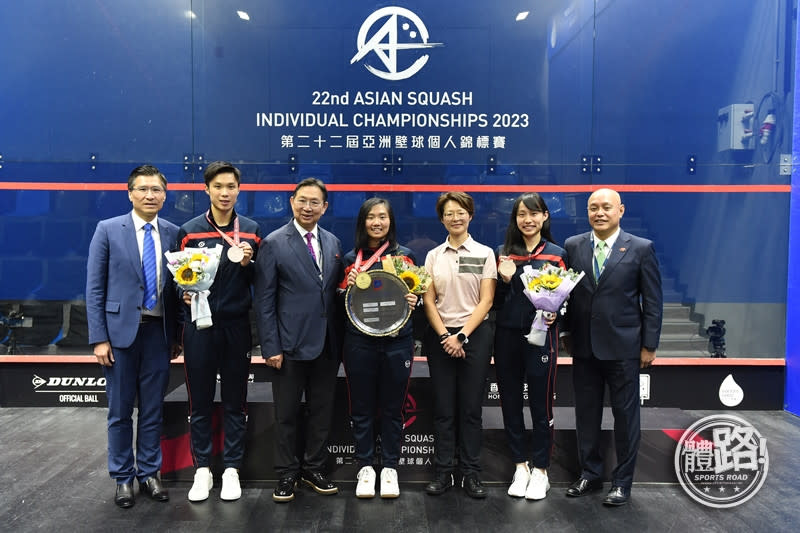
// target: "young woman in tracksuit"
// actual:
[[378, 368], [225, 346], [528, 242]]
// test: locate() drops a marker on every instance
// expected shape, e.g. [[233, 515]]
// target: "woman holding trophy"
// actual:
[[378, 342], [528, 242], [458, 343]]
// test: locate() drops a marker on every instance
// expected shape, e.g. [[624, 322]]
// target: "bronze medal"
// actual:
[[507, 268], [235, 254]]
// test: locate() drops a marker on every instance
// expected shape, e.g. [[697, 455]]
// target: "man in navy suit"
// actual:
[[131, 310], [614, 317], [298, 268]]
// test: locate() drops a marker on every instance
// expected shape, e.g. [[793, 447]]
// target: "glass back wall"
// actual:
[[681, 107]]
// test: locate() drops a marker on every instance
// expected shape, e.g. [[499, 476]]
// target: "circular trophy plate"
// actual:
[[235, 254], [380, 309]]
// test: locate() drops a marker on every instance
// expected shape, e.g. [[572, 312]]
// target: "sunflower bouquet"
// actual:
[[547, 288], [417, 279], [193, 270]]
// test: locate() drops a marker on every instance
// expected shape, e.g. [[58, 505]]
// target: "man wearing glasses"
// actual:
[[131, 310], [298, 268]]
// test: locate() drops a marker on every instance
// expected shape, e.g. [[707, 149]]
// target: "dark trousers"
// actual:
[[224, 349], [317, 379], [590, 376], [141, 370], [378, 369], [459, 386], [517, 361]]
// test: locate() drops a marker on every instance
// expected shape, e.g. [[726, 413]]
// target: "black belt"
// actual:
[[149, 318]]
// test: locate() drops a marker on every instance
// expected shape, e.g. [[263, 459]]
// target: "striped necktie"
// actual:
[[149, 269]]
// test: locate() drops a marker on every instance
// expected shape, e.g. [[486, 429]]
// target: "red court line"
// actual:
[[417, 187], [705, 361], [660, 361]]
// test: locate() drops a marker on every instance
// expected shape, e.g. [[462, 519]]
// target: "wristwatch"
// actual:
[[462, 337]]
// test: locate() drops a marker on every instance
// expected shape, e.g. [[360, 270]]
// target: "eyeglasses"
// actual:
[[155, 191], [305, 202], [450, 215]]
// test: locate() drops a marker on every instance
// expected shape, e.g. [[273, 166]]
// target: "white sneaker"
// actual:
[[203, 481], [389, 485], [365, 488], [538, 485], [520, 481], [231, 490]]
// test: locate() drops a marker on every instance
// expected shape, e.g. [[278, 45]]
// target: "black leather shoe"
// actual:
[[617, 496], [318, 482], [442, 482], [284, 492], [152, 487], [583, 486], [473, 487], [124, 497]]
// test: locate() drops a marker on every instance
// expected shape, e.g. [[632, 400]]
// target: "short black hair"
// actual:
[[218, 167], [145, 170], [313, 182]]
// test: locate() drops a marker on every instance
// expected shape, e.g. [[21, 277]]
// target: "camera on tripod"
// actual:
[[716, 338], [13, 321]]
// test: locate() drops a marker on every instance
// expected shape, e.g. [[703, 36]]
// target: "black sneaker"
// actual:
[[440, 484], [284, 492], [318, 482]]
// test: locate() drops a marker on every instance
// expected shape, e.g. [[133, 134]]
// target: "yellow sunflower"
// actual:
[[411, 279], [535, 282], [550, 281], [199, 257], [186, 276]]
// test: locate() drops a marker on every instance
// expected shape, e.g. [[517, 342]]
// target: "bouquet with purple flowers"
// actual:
[[547, 288]]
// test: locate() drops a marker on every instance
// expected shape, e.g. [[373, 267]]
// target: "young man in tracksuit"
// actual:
[[225, 346]]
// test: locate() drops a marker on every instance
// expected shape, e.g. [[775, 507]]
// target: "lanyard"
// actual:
[[233, 242]]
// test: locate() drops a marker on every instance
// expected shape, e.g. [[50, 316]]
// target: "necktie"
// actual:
[[309, 236], [600, 257], [149, 269]]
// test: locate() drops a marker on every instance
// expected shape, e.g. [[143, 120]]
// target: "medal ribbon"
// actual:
[[371, 261], [233, 242], [531, 255]]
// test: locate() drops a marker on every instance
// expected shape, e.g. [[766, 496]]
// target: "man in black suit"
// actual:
[[298, 268], [614, 319]]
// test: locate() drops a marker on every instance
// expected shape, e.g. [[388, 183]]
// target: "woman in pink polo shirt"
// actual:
[[458, 343]]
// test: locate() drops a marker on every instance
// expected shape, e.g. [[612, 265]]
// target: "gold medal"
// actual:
[[363, 280], [507, 268]]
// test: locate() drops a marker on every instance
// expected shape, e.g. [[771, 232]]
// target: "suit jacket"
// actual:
[[295, 307], [617, 315], [115, 283]]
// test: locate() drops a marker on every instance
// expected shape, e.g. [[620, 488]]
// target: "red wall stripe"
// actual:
[[418, 187]]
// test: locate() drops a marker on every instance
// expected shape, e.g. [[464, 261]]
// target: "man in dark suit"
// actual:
[[131, 310], [297, 270], [614, 317]]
